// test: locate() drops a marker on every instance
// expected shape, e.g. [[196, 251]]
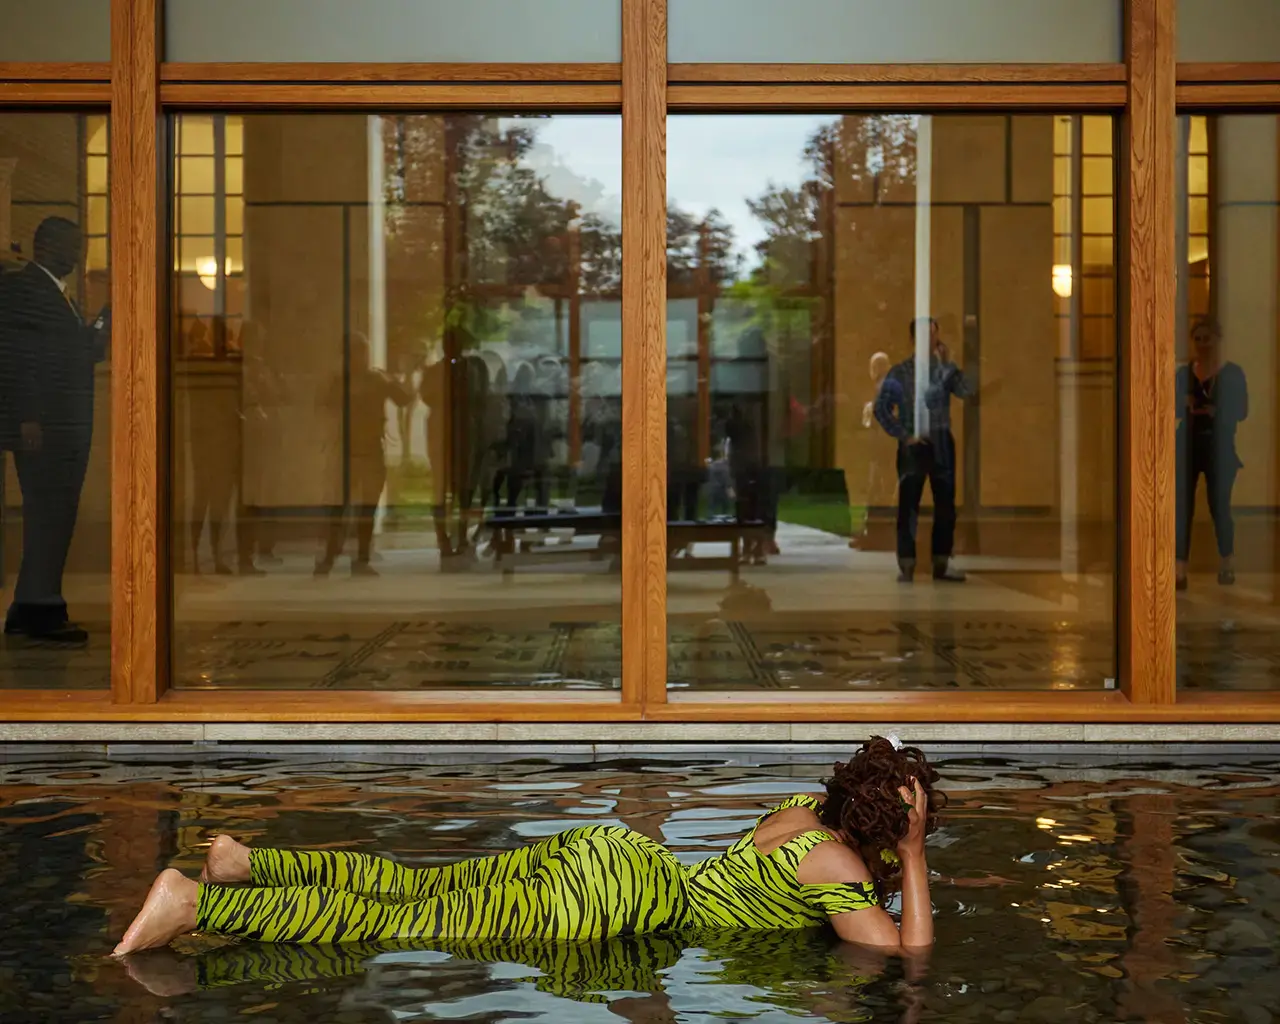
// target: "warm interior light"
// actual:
[[207, 269], [1062, 280]]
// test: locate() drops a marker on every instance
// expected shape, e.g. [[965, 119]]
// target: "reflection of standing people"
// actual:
[[433, 389], [875, 472], [925, 451], [368, 391], [684, 475], [720, 492], [47, 359], [215, 460], [1212, 400], [746, 464]]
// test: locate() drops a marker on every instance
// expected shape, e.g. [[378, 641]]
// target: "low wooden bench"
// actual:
[[505, 524]]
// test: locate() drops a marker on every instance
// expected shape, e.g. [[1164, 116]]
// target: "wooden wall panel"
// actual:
[[139, 605], [1147, 621], [644, 323]]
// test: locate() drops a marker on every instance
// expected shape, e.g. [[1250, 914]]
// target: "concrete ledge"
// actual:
[[609, 737]]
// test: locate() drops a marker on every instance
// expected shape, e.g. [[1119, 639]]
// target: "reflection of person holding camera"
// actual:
[[1212, 400], [926, 451], [47, 359]]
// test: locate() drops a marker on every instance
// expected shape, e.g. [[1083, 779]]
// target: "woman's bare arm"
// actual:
[[873, 927]]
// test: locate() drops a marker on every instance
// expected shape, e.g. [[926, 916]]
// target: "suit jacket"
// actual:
[[47, 359]]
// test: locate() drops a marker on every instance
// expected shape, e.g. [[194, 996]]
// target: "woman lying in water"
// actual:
[[806, 861]]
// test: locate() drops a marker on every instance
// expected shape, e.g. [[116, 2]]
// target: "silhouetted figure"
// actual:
[[433, 389], [262, 398], [522, 444], [684, 475], [876, 475], [215, 463], [720, 493], [750, 478], [925, 451], [1212, 400], [47, 360], [369, 389]]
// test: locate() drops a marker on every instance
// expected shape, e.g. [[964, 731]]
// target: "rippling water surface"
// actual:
[[1122, 891]]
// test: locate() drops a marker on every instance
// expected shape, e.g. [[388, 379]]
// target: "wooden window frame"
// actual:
[[1144, 90]]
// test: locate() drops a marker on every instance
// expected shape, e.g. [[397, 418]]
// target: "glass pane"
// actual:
[[55, 30], [1198, 215], [98, 215], [903, 31], [235, 215], [195, 176], [1098, 180], [95, 128], [1098, 252], [235, 175], [1228, 30], [196, 215], [234, 135], [402, 437], [196, 255], [1227, 447], [422, 31], [796, 453], [195, 136], [55, 382], [97, 175], [1098, 215], [1099, 135]]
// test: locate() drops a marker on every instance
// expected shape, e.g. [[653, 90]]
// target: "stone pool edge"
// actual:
[[607, 736]]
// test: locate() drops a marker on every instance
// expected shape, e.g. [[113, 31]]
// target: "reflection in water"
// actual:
[[803, 971], [1135, 893]]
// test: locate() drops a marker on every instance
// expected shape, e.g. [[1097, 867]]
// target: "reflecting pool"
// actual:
[[1076, 890]]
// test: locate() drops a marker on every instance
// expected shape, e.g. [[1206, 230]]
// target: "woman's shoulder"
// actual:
[[808, 801], [832, 863]]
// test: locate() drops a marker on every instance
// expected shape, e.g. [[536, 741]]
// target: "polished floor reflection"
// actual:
[[1118, 891]]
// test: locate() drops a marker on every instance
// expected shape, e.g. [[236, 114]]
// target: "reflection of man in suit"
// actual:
[[47, 359]]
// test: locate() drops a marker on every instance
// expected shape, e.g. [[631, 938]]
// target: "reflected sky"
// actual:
[[713, 162]]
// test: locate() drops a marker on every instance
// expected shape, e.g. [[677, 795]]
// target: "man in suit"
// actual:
[[47, 359]]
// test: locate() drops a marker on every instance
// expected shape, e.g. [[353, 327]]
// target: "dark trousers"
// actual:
[[51, 480], [1219, 471], [368, 477], [683, 485], [935, 461]]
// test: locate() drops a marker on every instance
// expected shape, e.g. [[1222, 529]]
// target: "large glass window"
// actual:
[[55, 30], [393, 30], [1228, 354], [899, 31], [397, 401], [891, 396], [55, 509]]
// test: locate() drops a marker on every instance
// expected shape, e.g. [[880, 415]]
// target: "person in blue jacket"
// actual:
[[926, 451], [1212, 400]]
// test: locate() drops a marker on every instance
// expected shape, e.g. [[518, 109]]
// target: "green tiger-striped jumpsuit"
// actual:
[[587, 883]]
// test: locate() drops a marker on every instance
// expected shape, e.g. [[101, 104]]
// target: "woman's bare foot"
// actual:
[[163, 972], [170, 911], [226, 863]]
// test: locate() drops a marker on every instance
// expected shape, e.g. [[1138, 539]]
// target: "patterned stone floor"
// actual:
[[813, 620]]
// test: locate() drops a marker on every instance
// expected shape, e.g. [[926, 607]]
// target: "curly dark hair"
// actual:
[[864, 807]]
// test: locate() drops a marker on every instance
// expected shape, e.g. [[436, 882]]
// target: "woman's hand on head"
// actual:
[[912, 844]]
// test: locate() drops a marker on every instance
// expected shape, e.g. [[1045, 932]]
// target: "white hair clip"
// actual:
[[894, 741]]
